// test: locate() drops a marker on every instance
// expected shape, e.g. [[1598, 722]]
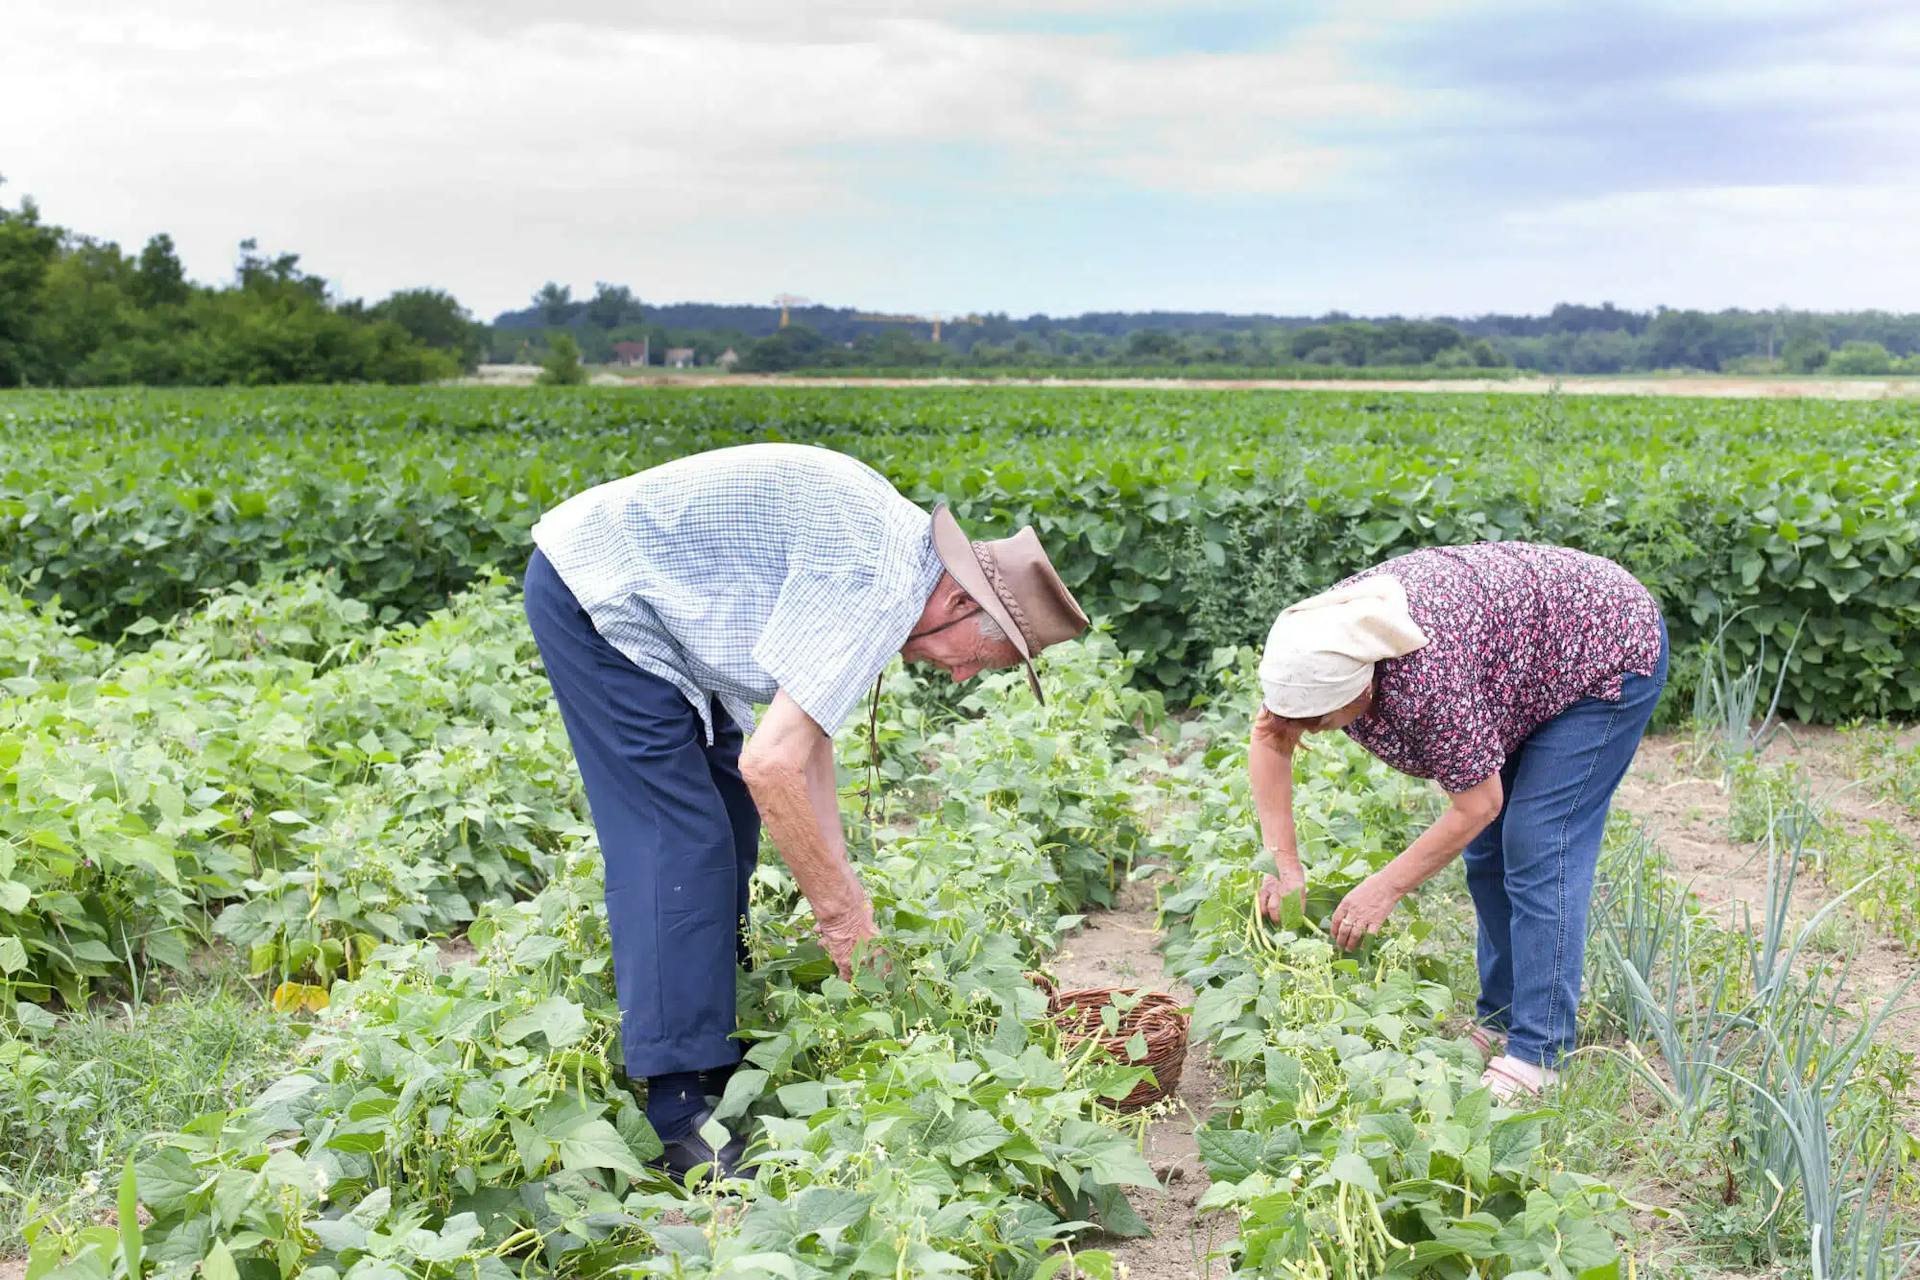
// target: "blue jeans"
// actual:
[[1531, 871], [678, 831]]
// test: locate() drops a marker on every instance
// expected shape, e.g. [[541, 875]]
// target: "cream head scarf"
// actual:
[[1321, 651]]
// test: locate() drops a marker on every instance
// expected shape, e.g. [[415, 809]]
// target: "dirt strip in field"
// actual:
[[1118, 948], [1687, 814], [1735, 388]]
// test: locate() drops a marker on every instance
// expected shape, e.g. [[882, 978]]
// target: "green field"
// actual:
[[303, 966]]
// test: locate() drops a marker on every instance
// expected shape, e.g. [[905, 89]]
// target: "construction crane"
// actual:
[[785, 300], [934, 318]]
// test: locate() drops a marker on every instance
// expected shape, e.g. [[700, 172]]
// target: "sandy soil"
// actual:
[[1680, 385], [1116, 949], [1687, 814]]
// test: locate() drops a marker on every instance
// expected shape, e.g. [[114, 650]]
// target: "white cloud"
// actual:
[[390, 143], [736, 148]]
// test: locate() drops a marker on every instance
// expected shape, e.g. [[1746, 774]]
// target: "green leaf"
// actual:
[[744, 1088], [33, 1018], [1354, 1170], [803, 1098], [167, 1180], [560, 1020], [218, 1264], [1229, 1154], [129, 1209], [828, 1211], [13, 954], [1474, 1109], [14, 896], [715, 1134], [596, 1144], [973, 1134], [1513, 1142]]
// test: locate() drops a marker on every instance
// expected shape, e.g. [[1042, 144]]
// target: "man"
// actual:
[[665, 605]]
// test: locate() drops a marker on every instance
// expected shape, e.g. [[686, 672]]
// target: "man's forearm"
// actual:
[[789, 806]]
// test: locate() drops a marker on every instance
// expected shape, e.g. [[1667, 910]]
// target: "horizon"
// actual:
[[1399, 157]]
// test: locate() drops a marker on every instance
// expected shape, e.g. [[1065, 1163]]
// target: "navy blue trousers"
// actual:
[[678, 832], [1531, 871]]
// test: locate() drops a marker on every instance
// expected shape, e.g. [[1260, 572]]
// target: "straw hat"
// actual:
[[1012, 580]]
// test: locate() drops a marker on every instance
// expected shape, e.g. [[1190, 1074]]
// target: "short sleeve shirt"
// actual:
[[1518, 633], [746, 571]]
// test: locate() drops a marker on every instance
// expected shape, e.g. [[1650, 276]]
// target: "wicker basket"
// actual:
[[1156, 1017]]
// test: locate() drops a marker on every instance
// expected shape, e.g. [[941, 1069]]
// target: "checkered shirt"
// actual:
[[744, 571]]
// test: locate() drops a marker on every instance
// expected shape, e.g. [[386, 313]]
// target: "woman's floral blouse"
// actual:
[[1518, 633]]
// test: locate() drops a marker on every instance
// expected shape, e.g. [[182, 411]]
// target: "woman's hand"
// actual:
[[1291, 880], [1362, 912]]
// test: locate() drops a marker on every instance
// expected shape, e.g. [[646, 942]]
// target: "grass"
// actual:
[[76, 1100], [1844, 853], [1610, 1126]]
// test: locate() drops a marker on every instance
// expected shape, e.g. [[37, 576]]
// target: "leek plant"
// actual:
[[1867, 1247], [1771, 951], [1726, 703], [1637, 911], [1696, 1036]]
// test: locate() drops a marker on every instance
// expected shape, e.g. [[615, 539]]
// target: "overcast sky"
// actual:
[[1409, 156]]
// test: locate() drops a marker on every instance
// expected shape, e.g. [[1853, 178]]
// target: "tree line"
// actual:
[[79, 311], [1572, 338]]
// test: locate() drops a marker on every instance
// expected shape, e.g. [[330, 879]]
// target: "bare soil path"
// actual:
[[1688, 815], [1117, 948], [1737, 388]]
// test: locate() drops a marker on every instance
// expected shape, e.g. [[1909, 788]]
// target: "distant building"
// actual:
[[631, 352], [679, 357], [728, 358]]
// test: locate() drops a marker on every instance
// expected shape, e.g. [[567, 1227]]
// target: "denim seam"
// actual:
[[1560, 888]]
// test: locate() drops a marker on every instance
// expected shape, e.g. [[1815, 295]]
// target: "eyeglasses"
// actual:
[[934, 631]]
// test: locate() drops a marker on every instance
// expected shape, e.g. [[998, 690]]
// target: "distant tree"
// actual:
[[1681, 340], [280, 274], [1806, 350], [612, 305], [27, 250], [562, 366], [1860, 358], [436, 319], [794, 347], [159, 279], [555, 302], [1152, 345], [1602, 351], [995, 326]]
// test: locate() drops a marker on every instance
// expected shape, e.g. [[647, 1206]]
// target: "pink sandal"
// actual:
[[1510, 1078], [1489, 1042]]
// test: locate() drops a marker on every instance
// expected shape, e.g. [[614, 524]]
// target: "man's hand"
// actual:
[[842, 935], [1364, 910], [1291, 880]]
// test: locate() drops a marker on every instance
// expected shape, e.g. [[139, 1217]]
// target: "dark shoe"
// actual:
[[688, 1152]]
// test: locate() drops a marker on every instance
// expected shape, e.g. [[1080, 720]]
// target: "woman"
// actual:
[[1520, 678]]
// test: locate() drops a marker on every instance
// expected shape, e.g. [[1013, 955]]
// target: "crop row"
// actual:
[[274, 770], [468, 1116], [1187, 518], [1355, 1141]]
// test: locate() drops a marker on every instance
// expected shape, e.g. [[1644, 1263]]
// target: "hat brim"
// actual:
[[955, 550]]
